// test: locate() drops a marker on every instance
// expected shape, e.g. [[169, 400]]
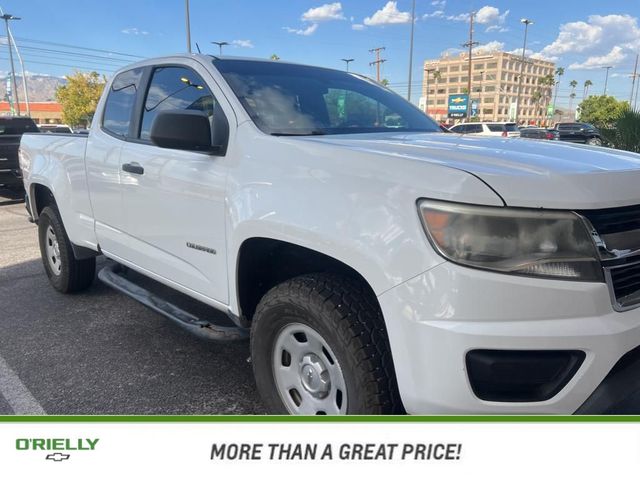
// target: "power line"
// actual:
[[77, 47], [378, 61]]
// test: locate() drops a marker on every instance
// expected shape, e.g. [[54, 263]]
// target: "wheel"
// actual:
[[319, 347], [65, 272], [594, 141]]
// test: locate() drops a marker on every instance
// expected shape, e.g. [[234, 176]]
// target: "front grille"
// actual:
[[614, 220], [619, 228], [625, 282]]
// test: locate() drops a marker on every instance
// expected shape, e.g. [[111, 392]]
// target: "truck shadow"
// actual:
[[100, 352]]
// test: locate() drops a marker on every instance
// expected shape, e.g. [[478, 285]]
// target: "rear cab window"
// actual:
[[118, 109]]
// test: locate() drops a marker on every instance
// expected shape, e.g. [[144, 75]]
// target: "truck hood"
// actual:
[[525, 173]]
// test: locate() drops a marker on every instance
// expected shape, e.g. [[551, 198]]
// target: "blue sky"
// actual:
[[580, 35]]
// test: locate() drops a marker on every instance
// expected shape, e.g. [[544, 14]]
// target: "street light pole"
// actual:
[[413, 23], [14, 90], [188, 20], [606, 79], [347, 61], [428, 70], [220, 45], [526, 22]]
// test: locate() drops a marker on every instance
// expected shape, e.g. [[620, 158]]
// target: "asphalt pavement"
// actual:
[[99, 352]]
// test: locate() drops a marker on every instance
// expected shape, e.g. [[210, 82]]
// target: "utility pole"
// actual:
[[347, 61], [470, 44], [606, 79], [220, 45], [188, 20], [428, 70], [11, 40], [15, 101], [413, 24], [633, 83], [377, 61], [526, 22]]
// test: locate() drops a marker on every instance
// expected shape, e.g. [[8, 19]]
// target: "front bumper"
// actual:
[[435, 319]]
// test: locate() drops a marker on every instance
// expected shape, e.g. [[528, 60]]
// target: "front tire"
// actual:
[[66, 273], [594, 141], [319, 347]]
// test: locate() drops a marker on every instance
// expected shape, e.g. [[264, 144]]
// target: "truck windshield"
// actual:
[[286, 99], [17, 126]]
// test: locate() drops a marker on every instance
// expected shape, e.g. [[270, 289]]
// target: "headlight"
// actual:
[[518, 241]]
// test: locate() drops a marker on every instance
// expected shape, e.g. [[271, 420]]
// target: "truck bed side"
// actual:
[[57, 162]]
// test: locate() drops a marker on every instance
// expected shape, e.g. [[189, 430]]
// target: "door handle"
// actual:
[[134, 167]]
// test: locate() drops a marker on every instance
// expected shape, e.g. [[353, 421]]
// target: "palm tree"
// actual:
[[572, 95], [535, 98], [573, 84], [547, 82], [587, 84], [559, 74], [436, 76]]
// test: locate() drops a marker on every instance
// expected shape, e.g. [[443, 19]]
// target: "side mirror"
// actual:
[[184, 130]]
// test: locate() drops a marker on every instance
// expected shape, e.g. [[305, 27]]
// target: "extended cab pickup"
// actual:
[[377, 264]]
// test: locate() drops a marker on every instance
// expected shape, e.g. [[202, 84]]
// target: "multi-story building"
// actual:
[[494, 86]]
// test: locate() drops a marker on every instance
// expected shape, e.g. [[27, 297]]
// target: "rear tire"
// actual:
[[339, 360], [594, 141], [66, 273]]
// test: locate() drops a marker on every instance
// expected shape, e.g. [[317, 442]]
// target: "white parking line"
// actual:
[[17, 395]]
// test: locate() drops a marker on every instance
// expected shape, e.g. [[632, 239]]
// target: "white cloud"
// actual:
[[358, 27], [134, 31], [493, 46], [496, 28], [324, 13], [439, 3], [488, 15], [435, 14], [388, 15], [310, 30], [242, 43], [614, 57], [597, 36]]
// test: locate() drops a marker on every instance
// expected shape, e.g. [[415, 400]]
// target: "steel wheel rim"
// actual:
[[307, 374], [52, 250]]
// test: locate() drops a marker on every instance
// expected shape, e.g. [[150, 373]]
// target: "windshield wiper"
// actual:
[[298, 134]]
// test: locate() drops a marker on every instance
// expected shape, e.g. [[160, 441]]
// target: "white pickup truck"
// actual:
[[378, 264]]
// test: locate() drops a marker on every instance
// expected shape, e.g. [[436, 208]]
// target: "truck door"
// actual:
[[174, 200], [104, 146]]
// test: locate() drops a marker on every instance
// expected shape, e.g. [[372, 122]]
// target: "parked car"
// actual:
[[11, 131], [579, 133], [540, 133], [53, 128], [493, 129], [376, 268]]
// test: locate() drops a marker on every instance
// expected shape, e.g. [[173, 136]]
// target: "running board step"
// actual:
[[110, 276]]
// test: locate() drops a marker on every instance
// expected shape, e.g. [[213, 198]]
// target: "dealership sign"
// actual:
[[458, 105]]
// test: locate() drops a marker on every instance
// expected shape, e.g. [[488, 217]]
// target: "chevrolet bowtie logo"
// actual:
[[58, 457], [457, 100]]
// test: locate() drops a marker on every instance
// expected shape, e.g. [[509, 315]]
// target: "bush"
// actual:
[[625, 134]]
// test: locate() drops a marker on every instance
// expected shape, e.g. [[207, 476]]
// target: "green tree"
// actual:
[[274, 57], [384, 82], [585, 92], [547, 82], [437, 76], [79, 97], [602, 110], [625, 134], [559, 74]]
